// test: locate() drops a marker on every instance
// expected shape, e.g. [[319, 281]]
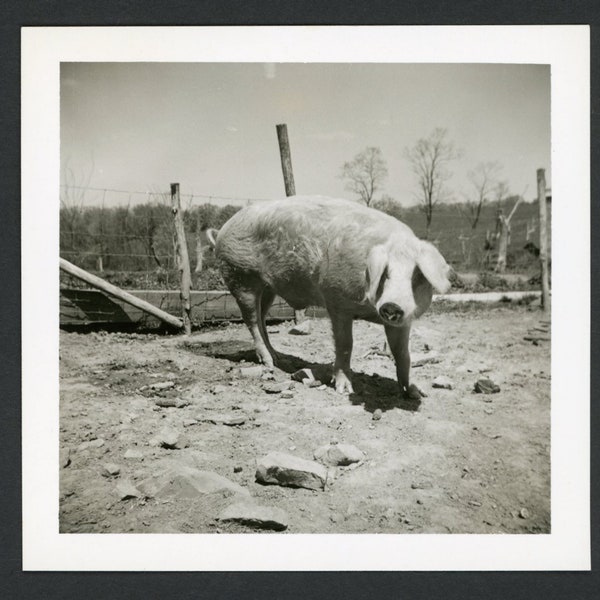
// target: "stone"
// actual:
[[172, 439], [263, 517], [182, 481], [303, 328], [421, 485], [377, 414], [443, 382], [302, 375], [189, 422], [287, 394], [126, 490], [98, 443], [133, 453], [110, 470], [524, 513], [486, 386], [338, 455], [277, 387], [222, 419], [172, 402], [162, 386], [418, 359], [254, 371], [287, 470], [65, 457], [219, 389]]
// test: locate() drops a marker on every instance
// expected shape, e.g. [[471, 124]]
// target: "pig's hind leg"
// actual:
[[250, 302], [266, 300]]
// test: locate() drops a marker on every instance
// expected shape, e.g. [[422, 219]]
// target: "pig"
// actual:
[[355, 261]]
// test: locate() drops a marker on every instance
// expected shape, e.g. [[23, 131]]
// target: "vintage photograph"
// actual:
[[305, 298]]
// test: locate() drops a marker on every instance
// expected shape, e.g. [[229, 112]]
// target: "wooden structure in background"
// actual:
[[123, 296]]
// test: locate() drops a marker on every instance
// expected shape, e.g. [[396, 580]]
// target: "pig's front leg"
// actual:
[[341, 324], [398, 340]]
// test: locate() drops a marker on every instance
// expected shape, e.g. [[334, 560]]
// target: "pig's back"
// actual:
[[305, 247]]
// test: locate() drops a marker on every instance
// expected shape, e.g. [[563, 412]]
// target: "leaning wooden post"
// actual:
[[183, 260], [288, 180], [541, 188]]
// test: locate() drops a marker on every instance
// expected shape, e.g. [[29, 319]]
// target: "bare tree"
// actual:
[[429, 159], [484, 179], [365, 174]]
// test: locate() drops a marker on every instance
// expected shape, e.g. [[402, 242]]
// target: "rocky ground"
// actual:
[[189, 435]]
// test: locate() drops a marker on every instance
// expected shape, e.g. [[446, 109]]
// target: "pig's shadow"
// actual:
[[372, 391]]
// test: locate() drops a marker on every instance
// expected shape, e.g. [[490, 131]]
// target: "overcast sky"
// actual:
[[211, 127]]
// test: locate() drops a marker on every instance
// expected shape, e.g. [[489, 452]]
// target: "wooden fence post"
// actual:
[[541, 188], [183, 260], [286, 160], [288, 179]]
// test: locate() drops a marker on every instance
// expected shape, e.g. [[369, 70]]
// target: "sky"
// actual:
[[211, 126]]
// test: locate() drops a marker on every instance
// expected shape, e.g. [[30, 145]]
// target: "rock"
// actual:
[[172, 439], [189, 422], [238, 469], [222, 419], [303, 328], [418, 359], [110, 470], [421, 485], [287, 470], [65, 457], [125, 490], [443, 382], [182, 481], [277, 387], [377, 414], [172, 402], [219, 389], [338, 455], [486, 386], [162, 386], [264, 517], [136, 454], [287, 394], [302, 375], [254, 371], [524, 513], [98, 443]]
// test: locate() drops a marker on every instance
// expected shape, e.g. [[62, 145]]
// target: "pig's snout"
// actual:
[[391, 313]]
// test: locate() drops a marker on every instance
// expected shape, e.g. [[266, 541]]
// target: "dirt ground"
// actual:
[[458, 462]]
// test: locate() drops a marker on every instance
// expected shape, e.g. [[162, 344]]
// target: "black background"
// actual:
[[14, 583]]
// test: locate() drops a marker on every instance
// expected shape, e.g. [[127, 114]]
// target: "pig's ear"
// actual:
[[434, 267], [376, 266]]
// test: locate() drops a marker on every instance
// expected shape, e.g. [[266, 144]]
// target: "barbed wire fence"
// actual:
[[127, 236]]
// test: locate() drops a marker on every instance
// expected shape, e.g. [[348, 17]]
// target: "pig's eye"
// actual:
[[381, 285]]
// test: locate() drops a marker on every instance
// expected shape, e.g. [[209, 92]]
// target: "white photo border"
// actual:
[[565, 48]]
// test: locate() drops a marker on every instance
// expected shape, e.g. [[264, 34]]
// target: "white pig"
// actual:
[[357, 262]]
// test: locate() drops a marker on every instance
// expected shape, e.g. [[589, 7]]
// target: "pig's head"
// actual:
[[401, 278]]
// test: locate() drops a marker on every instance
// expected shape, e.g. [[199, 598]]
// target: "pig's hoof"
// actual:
[[343, 385], [412, 392]]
